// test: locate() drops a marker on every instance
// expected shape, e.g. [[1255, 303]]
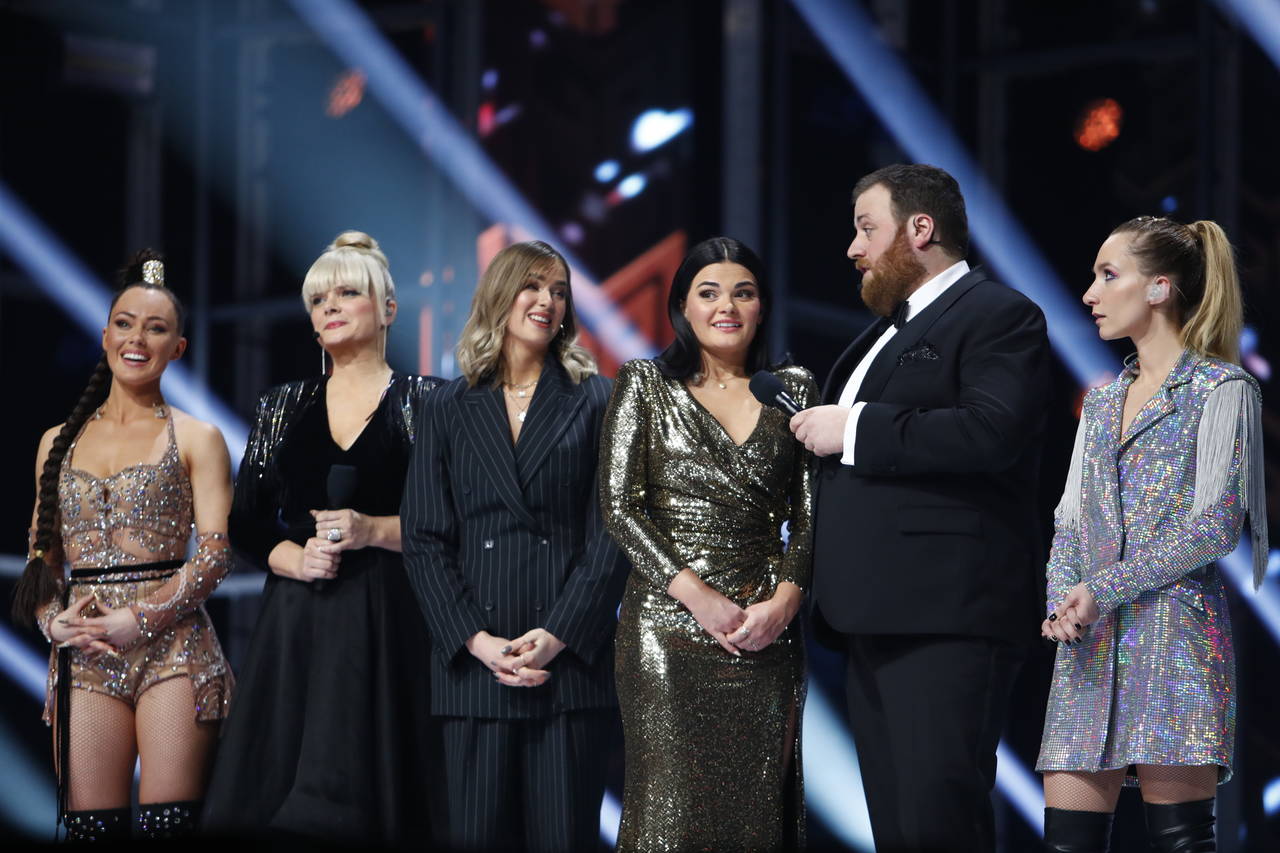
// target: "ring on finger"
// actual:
[[334, 534]]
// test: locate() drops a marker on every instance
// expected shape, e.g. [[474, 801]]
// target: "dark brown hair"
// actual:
[[917, 188]]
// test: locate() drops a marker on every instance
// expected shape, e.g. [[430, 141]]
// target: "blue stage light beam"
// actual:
[[832, 779], [25, 667], [1260, 19], [87, 300], [1020, 787], [357, 42], [1238, 565], [884, 82]]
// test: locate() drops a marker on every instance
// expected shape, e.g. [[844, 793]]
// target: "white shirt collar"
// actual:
[[934, 287]]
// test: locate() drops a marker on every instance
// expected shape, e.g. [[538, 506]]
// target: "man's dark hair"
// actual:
[[917, 188]]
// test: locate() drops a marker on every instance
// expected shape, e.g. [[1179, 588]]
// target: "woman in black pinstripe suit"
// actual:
[[517, 578]]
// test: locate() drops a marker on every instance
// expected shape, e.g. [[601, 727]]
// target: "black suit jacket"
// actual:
[[506, 539], [935, 529]]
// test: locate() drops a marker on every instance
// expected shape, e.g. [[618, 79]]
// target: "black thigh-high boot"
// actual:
[[1070, 831], [97, 825], [175, 819], [1180, 827]]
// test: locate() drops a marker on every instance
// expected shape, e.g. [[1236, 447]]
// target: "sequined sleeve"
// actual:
[[1228, 457], [194, 582], [45, 615], [624, 460], [1063, 570], [797, 564], [253, 525]]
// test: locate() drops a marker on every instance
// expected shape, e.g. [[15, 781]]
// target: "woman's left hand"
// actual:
[[355, 530], [766, 620], [118, 625], [534, 649], [1074, 614]]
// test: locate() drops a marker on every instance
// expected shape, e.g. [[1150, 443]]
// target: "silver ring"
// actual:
[[334, 535], [746, 632]]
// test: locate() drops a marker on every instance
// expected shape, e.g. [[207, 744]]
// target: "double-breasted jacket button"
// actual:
[[488, 544], [488, 605]]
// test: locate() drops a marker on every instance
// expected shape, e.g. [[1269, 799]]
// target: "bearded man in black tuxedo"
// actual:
[[928, 544]]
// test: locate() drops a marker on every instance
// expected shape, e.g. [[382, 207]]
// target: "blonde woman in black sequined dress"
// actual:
[[697, 480], [137, 673]]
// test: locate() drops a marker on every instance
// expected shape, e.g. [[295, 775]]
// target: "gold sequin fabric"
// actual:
[[1145, 515], [143, 514], [712, 740]]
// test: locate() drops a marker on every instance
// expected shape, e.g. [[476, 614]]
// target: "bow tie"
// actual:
[[899, 315]]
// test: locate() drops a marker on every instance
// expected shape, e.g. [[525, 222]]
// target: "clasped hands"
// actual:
[[520, 662], [115, 629], [1071, 618], [736, 629], [322, 553]]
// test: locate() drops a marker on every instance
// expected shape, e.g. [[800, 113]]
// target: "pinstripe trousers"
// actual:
[[532, 785]]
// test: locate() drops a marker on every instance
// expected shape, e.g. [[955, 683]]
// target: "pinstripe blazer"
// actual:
[[507, 538]]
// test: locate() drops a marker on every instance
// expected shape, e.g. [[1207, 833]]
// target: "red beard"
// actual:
[[893, 277]]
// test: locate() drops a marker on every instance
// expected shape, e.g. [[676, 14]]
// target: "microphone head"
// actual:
[[341, 485], [766, 387]]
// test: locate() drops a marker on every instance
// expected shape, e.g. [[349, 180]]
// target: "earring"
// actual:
[[1155, 292], [324, 366]]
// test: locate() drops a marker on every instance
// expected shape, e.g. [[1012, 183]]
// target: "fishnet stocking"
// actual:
[[175, 749], [1083, 792], [102, 752], [1097, 792], [1180, 784], [107, 736]]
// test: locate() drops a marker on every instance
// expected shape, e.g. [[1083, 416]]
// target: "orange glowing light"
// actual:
[[1099, 124], [346, 94]]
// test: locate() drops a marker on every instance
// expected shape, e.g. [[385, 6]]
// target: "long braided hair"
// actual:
[[41, 581]]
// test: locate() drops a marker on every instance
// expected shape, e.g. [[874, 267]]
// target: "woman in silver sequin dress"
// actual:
[[136, 672], [696, 481], [1166, 467]]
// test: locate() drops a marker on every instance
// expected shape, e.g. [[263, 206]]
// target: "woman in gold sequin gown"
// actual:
[[696, 481], [136, 672]]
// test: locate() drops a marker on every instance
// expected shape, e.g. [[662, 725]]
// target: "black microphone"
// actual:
[[341, 486], [768, 389]]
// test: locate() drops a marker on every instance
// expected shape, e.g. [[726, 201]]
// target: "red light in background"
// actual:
[[486, 118], [346, 94], [1099, 124]]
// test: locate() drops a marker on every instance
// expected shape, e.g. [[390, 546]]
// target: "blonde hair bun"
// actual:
[[355, 240]]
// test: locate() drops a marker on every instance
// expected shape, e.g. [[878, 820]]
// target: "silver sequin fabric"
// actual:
[[712, 741], [1154, 680], [143, 514]]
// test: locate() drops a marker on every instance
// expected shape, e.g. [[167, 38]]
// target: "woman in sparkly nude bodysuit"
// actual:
[[136, 672], [1166, 467], [697, 480]]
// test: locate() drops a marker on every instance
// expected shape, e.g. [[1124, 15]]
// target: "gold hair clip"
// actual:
[[153, 273]]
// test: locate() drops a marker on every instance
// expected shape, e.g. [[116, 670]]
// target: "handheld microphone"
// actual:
[[341, 486], [768, 389]]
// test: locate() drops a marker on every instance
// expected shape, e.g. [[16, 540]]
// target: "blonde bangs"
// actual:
[[347, 267]]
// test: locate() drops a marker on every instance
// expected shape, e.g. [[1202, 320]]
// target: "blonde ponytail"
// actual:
[[1213, 327]]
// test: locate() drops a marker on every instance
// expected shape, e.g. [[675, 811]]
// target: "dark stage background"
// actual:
[[240, 136]]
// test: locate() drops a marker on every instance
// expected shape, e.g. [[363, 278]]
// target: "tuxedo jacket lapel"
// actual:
[[911, 334], [487, 429], [848, 360], [555, 404]]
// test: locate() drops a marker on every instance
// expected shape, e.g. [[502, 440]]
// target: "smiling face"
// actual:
[[539, 307], [1119, 296], [723, 308], [142, 335], [345, 316]]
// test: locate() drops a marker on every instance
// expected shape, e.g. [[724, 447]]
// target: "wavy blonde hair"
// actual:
[[353, 259], [479, 351]]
